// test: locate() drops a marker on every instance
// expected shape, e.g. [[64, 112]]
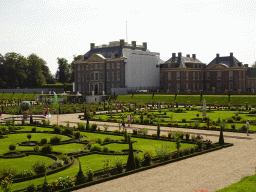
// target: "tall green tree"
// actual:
[[63, 70], [36, 78], [16, 70], [72, 67]]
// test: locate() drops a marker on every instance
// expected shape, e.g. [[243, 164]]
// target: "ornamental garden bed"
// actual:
[[93, 150]]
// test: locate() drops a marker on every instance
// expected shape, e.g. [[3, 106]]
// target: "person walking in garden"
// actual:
[[0, 112], [43, 112], [247, 127], [123, 124], [129, 120]]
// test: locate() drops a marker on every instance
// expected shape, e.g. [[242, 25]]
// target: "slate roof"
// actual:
[[106, 52], [251, 72], [229, 61], [182, 60]]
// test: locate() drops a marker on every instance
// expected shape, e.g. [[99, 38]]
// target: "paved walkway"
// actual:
[[211, 171]]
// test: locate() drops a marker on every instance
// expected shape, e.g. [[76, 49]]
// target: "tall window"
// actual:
[[91, 76], [178, 75], [113, 76], [96, 66], [230, 86], [108, 66], [79, 87], [78, 67], [91, 66], [202, 86], [101, 66], [169, 65], [208, 75], [118, 75], [194, 86], [193, 65], [219, 75], [194, 76], [96, 76], [178, 86], [83, 77], [244, 75], [202, 76], [87, 67], [239, 74], [91, 88], [197, 75], [79, 77], [118, 65], [101, 87], [87, 76], [82, 67], [169, 76], [113, 65], [198, 88], [108, 88], [230, 75], [186, 86], [208, 86], [108, 76], [118, 86], [219, 86], [186, 75], [169, 86], [101, 76], [87, 88]]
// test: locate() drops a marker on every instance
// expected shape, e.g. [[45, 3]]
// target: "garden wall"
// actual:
[[98, 98]]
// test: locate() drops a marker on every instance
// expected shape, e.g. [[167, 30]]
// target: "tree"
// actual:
[[221, 138], [63, 70], [72, 67], [130, 162]]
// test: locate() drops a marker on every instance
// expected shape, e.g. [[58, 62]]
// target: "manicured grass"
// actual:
[[68, 148], [29, 128], [246, 184], [194, 99], [22, 137], [18, 96], [23, 163]]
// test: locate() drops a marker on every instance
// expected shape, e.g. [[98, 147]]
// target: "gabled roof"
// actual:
[[251, 72], [229, 61], [182, 60], [106, 52]]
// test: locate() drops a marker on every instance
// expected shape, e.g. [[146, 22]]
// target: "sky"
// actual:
[[63, 28]]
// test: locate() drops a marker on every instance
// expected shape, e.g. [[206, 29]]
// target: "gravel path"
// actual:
[[211, 171]]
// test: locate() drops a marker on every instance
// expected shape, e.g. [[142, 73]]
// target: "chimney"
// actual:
[[231, 54], [246, 65], [188, 55], [217, 58], [121, 42], [134, 43], [145, 45], [217, 55], [173, 54], [231, 59], [92, 45], [179, 54], [194, 56]]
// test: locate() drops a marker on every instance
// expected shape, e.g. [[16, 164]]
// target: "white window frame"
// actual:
[[87, 76], [118, 65], [219, 75], [92, 77], [108, 65], [118, 75], [230, 75], [91, 66], [169, 75], [108, 76], [101, 76], [219, 86], [194, 76], [113, 65], [113, 76], [186, 75], [82, 67], [78, 67], [169, 65], [83, 77], [96, 75], [101, 66], [178, 75]]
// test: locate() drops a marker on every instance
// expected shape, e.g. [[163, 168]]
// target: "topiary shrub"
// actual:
[[77, 134], [95, 147], [47, 148], [33, 129], [55, 139], [57, 129], [105, 149], [67, 131], [80, 177], [130, 162], [64, 158], [12, 147], [39, 167], [31, 187], [106, 140], [93, 127], [147, 158], [99, 140], [43, 141]]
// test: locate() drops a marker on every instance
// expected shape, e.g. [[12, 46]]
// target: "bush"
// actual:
[[147, 158], [43, 141], [95, 147], [77, 134], [47, 148], [208, 144], [238, 118], [29, 136], [25, 173], [64, 158], [199, 143], [233, 126], [119, 165], [68, 131], [163, 153], [179, 110], [33, 129], [196, 124], [144, 131], [105, 149], [115, 131], [12, 147], [137, 159], [169, 133], [57, 129], [106, 140], [192, 150], [187, 136], [39, 167], [81, 126], [135, 131], [99, 140], [31, 187], [154, 135], [58, 163], [163, 136], [186, 151], [6, 171], [36, 148], [230, 120], [193, 138], [55, 139], [184, 120], [93, 127]]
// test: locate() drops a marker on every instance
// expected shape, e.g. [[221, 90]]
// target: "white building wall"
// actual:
[[140, 68]]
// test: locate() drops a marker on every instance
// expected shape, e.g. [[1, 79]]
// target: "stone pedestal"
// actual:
[[204, 112]]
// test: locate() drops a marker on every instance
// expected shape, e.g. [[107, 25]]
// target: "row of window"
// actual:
[[194, 65], [98, 76], [91, 87], [198, 86], [198, 74], [95, 66]]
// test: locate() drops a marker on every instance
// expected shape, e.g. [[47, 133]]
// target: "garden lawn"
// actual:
[[22, 137], [29, 128], [68, 148], [244, 185], [23, 163]]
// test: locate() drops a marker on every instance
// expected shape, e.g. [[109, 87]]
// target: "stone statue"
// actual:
[[103, 93], [204, 108], [92, 93]]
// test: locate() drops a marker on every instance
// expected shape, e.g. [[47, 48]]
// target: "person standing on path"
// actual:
[[247, 127], [123, 124], [129, 120], [43, 112]]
